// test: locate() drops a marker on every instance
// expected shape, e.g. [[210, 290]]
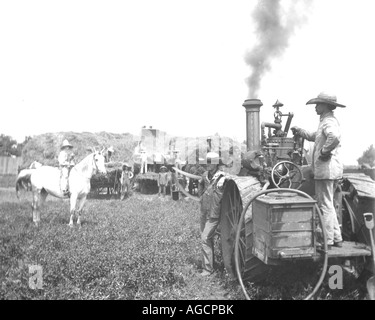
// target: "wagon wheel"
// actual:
[[251, 267], [286, 174], [98, 190]]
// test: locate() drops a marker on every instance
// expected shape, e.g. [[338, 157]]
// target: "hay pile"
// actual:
[[200, 151], [45, 148]]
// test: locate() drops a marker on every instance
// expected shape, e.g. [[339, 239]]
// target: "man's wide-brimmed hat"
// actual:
[[163, 168], [327, 98], [111, 149], [66, 144]]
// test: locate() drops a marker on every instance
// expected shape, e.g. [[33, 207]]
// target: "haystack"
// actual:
[[199, 151], [45, 148]]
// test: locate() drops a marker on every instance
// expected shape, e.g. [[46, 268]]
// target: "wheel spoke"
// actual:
[[243, 242], [278, 174], [290, 183], [241, 251], [281, 181], [287, 169]]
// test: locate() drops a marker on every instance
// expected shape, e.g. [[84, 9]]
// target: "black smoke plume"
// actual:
[[274, 24]]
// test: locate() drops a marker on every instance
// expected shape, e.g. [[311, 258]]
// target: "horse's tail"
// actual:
[[19, 186], [23, 182]]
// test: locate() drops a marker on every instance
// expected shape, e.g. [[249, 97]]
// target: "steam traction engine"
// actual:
[[268, 214]]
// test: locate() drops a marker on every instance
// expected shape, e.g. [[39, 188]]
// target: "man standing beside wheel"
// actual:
[[126, 176], [211, 188], [326, 163], [162, 180]]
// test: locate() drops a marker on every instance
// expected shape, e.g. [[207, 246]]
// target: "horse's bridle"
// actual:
[[93, 160], [96, 166]]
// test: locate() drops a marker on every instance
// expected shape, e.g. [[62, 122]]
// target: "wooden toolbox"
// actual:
[[283, 227]]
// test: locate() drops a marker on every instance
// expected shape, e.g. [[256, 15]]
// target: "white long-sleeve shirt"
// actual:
[[327, 140], [66, 158]]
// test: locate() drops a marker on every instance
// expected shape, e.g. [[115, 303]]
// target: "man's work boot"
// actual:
[[206, 273], [338, 244]]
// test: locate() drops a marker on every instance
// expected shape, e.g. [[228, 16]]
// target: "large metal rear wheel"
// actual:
[[252, 269]]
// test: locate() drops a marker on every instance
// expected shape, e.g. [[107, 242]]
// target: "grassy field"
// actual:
[[142, 248]]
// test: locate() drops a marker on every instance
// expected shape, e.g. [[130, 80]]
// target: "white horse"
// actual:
[[45, 180]]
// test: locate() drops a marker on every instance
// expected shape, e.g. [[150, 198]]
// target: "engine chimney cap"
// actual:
[[277, 104], [252, 102]]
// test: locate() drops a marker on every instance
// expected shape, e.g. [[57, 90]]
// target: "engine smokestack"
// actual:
[[252, 107]]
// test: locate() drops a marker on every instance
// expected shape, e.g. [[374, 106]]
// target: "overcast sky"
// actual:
[[179, 66]]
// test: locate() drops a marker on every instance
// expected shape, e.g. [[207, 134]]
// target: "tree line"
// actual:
[[368, 157], [10, 147]]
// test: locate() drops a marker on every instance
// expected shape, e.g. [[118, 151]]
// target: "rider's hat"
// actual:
[[163, 168], [111, 149], [327, 98], [66, 144]]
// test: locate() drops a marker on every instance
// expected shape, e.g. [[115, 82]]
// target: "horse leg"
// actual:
[[42, 198], [81, 202], [36, 216], [39, 196], [73, 201]]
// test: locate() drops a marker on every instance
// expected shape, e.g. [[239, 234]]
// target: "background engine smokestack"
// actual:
[[252, 107]]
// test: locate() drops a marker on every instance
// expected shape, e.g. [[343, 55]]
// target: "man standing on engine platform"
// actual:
[[211, 188], [326, 163]]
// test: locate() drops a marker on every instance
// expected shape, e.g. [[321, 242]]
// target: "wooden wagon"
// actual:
[[108, 184]]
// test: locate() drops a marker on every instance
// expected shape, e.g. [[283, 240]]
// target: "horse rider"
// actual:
[[326, 163], [211, 188], [126, 176], [66, 162]]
